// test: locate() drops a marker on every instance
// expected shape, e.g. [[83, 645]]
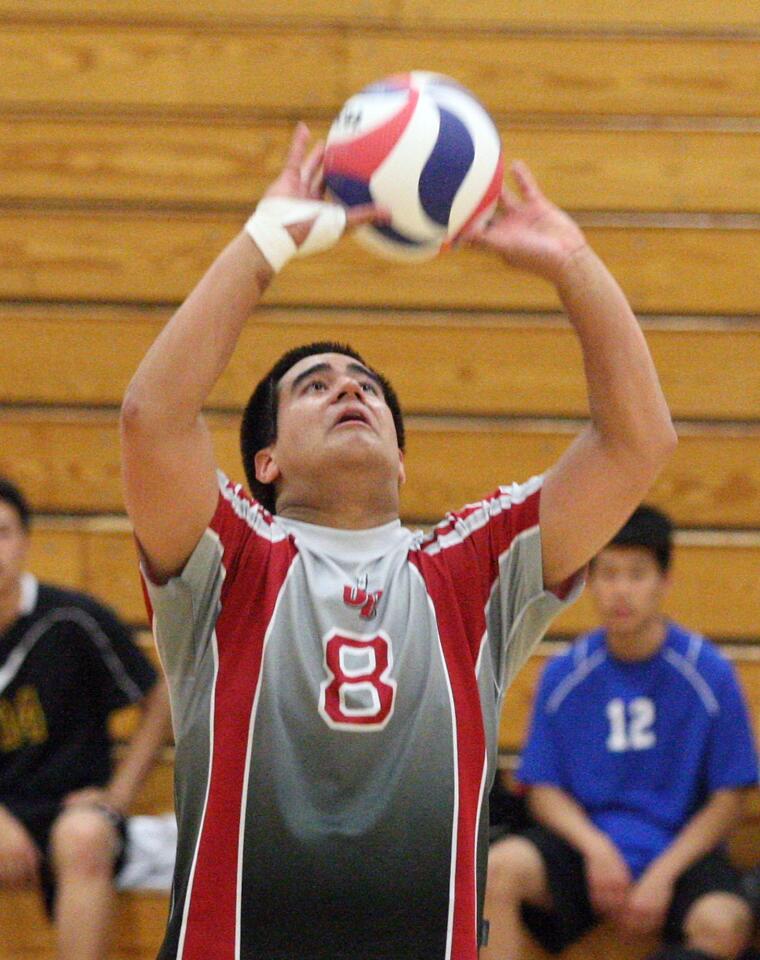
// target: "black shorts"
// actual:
[[572, 915], [39, 818]]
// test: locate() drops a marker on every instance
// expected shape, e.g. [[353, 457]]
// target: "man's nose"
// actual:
[[349, 387]]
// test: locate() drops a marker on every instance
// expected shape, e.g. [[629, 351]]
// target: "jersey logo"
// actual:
[[359, 596], [358, 693]]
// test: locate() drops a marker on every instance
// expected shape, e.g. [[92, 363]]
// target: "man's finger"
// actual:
[[297, 150], [310, 167], [527, 183]]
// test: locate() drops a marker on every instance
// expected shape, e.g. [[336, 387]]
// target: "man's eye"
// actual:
[[369, 387], [316, 385]]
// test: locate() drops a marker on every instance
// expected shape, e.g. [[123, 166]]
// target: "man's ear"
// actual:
[[265, 465], [401, 468]]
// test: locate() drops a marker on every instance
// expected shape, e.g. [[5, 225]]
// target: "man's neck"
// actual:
[[348, 506], [639, 644], [10, 604]]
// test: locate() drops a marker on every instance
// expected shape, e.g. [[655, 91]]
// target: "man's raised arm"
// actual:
[[167, 457], [605, 473]]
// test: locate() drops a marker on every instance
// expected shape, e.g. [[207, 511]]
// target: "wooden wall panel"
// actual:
[[484, 364], [71, 463], [157, 258], [677, 15], [714, 589], [532, 74], [296, 12], [79, 160], [189, 70]]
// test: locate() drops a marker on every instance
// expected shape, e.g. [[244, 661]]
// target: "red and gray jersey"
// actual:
[[335, 697]]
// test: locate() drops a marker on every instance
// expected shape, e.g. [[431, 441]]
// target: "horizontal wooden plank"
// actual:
[[204, 12], [679, 15], [151, 161], [576, 75], [518, 704], [157, 258], [191, 70], [715, 588], [87, 355], [70, 462], [656, 15]]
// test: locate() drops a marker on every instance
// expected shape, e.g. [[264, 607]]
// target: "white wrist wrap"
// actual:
[[268, 227]]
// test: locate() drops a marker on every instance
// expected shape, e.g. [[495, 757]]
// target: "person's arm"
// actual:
[[597, 483], [647, 904], [167, 457], [609, 878], [139, 756], [19, 856]]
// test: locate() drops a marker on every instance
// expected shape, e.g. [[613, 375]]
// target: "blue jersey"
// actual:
[[640, 745]]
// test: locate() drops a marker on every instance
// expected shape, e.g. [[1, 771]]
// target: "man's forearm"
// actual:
[[180, 369], [143, 748], [706, 829], [626, 402]]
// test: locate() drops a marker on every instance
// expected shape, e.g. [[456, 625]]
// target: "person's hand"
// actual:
[[19, 856], [302, 179], [647, 903], [93, 797], [528, 230], [608, 876]]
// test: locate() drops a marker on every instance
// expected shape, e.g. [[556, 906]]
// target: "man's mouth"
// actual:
[[352, 416]]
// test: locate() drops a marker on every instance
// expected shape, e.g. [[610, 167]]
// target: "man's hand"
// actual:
[[647, 903], [93, 797], [609, 879], [19, 856], [529, 231], [302, 179]]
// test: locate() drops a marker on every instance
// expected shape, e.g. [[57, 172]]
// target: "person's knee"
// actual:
[[83, 842], [516, 871], [719, 924]]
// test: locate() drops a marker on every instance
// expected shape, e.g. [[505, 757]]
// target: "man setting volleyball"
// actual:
[[335, 678]]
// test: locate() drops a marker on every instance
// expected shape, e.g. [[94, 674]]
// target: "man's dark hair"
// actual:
[[651, 529], [259, 426], [10, 493]]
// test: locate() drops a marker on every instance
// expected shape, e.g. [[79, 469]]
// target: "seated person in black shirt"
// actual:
[[66, 662]]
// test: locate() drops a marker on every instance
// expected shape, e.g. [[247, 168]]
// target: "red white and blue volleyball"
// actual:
[[423, 148]]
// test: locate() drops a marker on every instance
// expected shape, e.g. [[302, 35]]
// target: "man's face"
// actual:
[[13, 547], [628, 588], [332, 414]]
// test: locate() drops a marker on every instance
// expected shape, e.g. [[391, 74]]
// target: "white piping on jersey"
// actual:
[[455, 754], [584, 668], [482, 512], [248, 752], [30, 588], [212, 705], [250, 511], [476, 832], [95, 633], [688, 670], [695, 647]]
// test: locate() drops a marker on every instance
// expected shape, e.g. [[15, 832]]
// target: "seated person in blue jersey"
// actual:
[[66, 662], [637, 761], [336, 678]]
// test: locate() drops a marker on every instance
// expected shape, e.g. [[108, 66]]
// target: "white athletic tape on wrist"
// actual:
[[268, 227]]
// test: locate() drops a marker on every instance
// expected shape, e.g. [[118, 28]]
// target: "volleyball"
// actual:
[[422, 147]]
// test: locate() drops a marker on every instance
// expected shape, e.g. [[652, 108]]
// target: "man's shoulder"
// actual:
[[577, 661], [696, 649]]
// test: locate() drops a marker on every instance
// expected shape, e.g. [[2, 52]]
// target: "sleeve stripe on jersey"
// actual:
[[698, 682], [457, 527], [257, 518], [93, 630], [572, 680]]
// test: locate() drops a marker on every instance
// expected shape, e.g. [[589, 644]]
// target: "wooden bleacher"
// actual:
[[136, 136]]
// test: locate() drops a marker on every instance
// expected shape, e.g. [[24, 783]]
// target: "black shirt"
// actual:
[[65, 664]]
